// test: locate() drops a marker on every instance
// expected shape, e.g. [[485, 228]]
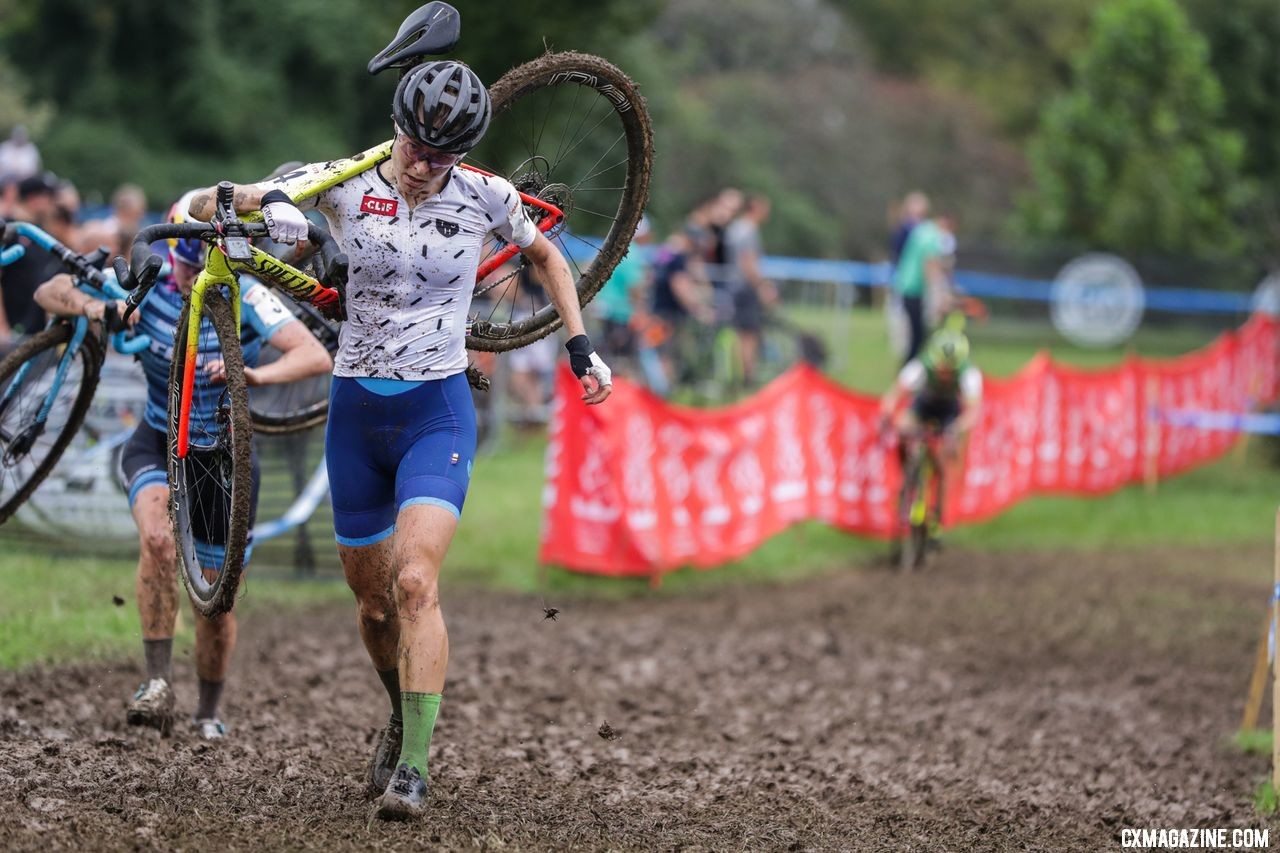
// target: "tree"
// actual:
[[16, 107], [183, 94], [1010, 55], [1136, 155], [1242, 37]]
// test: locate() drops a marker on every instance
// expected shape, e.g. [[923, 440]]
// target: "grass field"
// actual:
[[58, 608]]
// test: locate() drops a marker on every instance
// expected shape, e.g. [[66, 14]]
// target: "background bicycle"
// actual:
[[49, 380]]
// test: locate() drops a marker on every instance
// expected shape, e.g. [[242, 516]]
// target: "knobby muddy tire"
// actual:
[[223, 594], [91, 355], [600, 75], [911, 553], [317, 412]]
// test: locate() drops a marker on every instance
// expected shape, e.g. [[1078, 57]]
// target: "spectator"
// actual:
[[697, 226], [621, 295], [915, 208], [922, 272], [723, 210], [66, 199], [36, 196], [116, 232], [66, 212], [128, 207], [727, 206], [681, 299], [8, 199], [19, 313], [19, 157], [532, 366], [750, 290]]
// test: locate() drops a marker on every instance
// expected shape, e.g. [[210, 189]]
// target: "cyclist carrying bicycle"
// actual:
[[401, 435], [944, 393], [144, 471]]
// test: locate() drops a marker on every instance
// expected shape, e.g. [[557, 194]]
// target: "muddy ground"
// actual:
[[995, 703]]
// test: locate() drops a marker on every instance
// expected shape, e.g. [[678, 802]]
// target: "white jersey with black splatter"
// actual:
[[413, 270]]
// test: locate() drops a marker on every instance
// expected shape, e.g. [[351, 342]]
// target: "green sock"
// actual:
[[419, 711]]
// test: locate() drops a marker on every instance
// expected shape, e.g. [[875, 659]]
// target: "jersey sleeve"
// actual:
[[912, 376], [264, 311], [971, 384], [506, 210], [290, 181]]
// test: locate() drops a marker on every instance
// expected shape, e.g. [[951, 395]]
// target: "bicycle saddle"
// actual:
[[430, 30]]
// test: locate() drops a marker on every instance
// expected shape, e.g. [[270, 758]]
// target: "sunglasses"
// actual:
[[425, 153]]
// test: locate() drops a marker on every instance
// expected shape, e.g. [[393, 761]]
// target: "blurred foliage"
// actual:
[[1136, 154], [1006, 54], [177, 95], [16, 105], [1243, 36], [833, 108], [780, 99], [1015, 56]]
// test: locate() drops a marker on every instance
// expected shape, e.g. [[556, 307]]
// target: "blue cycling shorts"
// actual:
[[391, 444]]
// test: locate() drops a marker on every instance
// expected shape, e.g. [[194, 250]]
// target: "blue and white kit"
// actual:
[[401, 426], [144, 459]]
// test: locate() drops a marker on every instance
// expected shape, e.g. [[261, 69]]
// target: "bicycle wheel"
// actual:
[[916, 529], [295, 406], [211, 490], [572, 130], [780, 350], [31, 447]]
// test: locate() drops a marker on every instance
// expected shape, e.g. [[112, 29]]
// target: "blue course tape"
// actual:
[[1177, 300], [1257, 424]]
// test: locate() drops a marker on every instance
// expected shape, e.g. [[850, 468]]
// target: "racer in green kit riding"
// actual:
[[401, 434], [945, 396]]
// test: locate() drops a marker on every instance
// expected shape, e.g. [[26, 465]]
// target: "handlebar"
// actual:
[[141, 273], [84, 268]]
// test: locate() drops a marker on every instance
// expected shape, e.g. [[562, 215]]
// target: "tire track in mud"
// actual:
[[997, 702]]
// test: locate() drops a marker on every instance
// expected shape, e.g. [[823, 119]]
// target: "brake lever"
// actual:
[[112, 321], [334, 264], [124, 275], [98, 257], [142, 284]]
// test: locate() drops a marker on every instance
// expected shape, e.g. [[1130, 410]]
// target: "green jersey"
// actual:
[[616, 299], [926, 242]]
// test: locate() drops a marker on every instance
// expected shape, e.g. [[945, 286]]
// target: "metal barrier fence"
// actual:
[[83, 509]]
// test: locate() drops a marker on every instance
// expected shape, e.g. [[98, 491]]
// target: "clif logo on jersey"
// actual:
[[379, 206]]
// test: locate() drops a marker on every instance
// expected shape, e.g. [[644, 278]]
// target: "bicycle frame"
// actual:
[[221, 270], [928, 474], [918, 513], [108, 290], [306, 185]]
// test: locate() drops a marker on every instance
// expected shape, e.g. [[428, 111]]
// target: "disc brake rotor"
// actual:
[[532, 178]]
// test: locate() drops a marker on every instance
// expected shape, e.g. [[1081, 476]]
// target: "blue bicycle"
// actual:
[[49, 380]]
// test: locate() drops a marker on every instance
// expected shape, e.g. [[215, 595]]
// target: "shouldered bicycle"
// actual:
[[563, 155]]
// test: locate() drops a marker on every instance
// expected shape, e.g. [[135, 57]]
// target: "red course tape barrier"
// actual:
[[638, 486]]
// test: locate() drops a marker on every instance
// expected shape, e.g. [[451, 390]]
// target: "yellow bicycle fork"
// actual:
[[216, 273]]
